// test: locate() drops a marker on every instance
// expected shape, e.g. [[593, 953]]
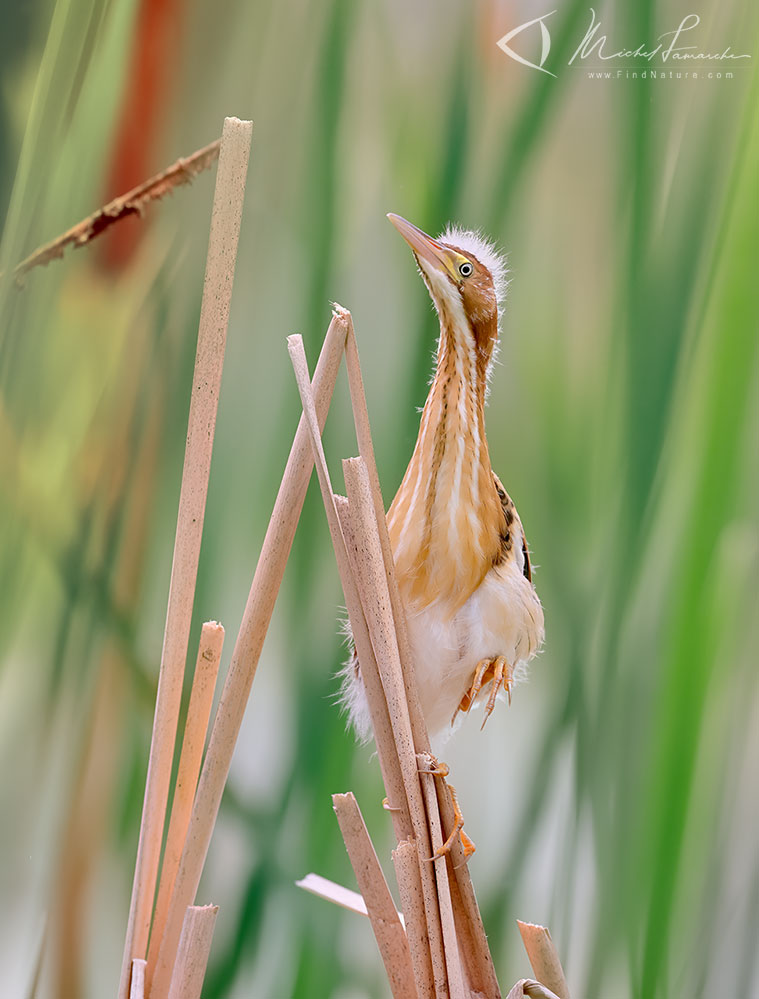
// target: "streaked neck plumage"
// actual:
[[446, 518]]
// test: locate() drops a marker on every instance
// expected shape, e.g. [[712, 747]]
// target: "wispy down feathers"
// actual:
[[485, 250]]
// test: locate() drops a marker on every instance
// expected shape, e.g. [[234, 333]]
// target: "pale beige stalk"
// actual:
[[406, 862], [242, 670], [137, 980], [346, 898], [369, 590], [366, 450], [544, 958], [388, 929], [372, 585], [212, 333], [196, 727], [336, 510], [375, 695], [452, 958], [192, 955], [481, 971]]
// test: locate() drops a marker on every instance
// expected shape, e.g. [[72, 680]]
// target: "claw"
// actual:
[[428, 764], [499, 668], [496, 670], [478, 682], [468, 844], [458, 830], [388, 807]]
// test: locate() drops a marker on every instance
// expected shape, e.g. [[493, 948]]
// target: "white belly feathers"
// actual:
[[503, 617]]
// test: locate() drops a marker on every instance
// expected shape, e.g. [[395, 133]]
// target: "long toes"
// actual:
[[499, 668], [446, 847], [478, 681], [488, 710], [457, 830]]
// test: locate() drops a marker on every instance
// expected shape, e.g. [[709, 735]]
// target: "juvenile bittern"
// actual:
[[461, 556]]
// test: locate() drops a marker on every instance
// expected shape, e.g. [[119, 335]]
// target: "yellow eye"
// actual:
[[465, 269]]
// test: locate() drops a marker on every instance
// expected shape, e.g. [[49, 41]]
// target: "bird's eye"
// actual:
[[465, 269]]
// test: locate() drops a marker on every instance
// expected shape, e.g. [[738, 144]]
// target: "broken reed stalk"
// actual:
[[137, 980], [544, 958], [258, 610], [452, 956], [399, 688], [409, 880], [314, 884], [193, 743], [372, 585], [417, 962], [354, 585], [214, 316], [192, 955], [479, 962], [388, 929], [375, 696], [333, 504]]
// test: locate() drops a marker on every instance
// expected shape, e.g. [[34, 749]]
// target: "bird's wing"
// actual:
[[512, 522]]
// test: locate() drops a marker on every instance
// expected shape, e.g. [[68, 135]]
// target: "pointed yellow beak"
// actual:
[[426, 248]]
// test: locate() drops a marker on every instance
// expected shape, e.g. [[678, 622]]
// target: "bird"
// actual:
[[462, 560]]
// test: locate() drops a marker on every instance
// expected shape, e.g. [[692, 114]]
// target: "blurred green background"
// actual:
[[616, 799]]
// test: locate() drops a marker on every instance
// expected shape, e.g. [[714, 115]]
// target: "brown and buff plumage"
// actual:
[[461, 556]]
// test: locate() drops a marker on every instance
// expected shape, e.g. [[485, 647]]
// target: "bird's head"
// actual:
[[466, 279]]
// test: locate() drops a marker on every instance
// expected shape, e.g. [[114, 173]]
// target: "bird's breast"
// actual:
[[446, 520]]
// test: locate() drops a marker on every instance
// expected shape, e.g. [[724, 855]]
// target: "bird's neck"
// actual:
[[444, 521]]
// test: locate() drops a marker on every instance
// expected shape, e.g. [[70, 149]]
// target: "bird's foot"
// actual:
[[428, 764], [495, 670]]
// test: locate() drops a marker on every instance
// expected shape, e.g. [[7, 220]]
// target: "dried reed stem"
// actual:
[[258, 610], [544, 958], [452, 957], [366, 450], [196, 727], [137, 980], [388, 929], [332, 505], [372, 585], [192, 955], [480, 968], [406, 862], [133, 202], [375, 695], [473, 944], [346, 898], [370, 597], [212, 332]]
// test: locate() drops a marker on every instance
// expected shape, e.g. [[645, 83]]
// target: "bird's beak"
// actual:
[[425, 247]]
